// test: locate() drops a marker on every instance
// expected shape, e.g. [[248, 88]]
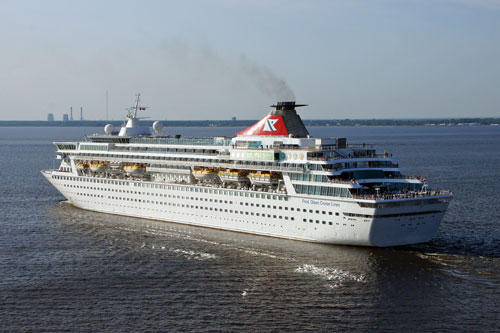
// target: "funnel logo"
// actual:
[[269, 125]]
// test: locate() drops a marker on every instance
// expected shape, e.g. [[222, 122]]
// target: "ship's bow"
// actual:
[[407, 226]]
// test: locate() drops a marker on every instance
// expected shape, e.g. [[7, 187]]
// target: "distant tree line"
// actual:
[[241, 123]]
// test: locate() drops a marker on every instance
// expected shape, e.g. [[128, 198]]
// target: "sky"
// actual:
[[196, 60]]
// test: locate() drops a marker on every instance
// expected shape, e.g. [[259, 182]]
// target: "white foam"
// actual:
[[176, 234], [189, 254], [262, 254], [335, 275]]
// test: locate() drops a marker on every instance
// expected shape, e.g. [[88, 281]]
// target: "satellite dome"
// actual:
[[108, 129], [157, 126]]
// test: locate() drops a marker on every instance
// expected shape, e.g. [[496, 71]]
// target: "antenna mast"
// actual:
[[132, 111], [137, 104]]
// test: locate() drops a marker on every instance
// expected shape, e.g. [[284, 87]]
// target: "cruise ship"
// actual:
[[271, 179]]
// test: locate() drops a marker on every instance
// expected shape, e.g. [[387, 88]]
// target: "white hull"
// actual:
[[333, 221]]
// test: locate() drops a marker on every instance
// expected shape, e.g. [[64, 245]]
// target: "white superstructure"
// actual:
[[271, 179]]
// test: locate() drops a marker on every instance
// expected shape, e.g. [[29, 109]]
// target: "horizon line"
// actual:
[[236, 120]]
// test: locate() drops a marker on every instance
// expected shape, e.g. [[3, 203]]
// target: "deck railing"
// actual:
[[396, 196]]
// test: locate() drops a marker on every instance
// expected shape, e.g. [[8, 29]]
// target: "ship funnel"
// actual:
[[282, 121]]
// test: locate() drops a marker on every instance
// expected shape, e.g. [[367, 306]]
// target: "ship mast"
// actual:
[[132, 112], [137, 104]]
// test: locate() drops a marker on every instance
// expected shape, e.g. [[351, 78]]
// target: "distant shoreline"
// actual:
[[240, 123]]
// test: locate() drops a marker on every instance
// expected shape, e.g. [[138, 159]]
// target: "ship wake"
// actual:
[[336, 277]]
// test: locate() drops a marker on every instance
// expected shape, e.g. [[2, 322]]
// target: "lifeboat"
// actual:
[[263, 178], [204, 173], [134, 169], [233, 176], [98, 166], [82, 165], [115, 165]]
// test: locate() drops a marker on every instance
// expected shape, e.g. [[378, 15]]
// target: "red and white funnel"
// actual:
[[282, 121]]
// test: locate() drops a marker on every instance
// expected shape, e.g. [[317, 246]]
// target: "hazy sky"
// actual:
[[223, 58]]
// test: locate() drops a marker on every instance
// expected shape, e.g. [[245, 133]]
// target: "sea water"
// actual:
[[67, 269]]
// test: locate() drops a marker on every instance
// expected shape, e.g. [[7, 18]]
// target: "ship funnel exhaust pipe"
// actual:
[[289, 105]]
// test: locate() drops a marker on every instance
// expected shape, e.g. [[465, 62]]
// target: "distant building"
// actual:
[[65, 117], [71, 113], [81, 113], [50, 117], [233, 118]]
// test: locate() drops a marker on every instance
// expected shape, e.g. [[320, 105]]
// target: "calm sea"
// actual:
[[66, 269]]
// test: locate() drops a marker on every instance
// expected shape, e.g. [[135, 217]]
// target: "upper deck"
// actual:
[[161, 140], [278, 146]]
